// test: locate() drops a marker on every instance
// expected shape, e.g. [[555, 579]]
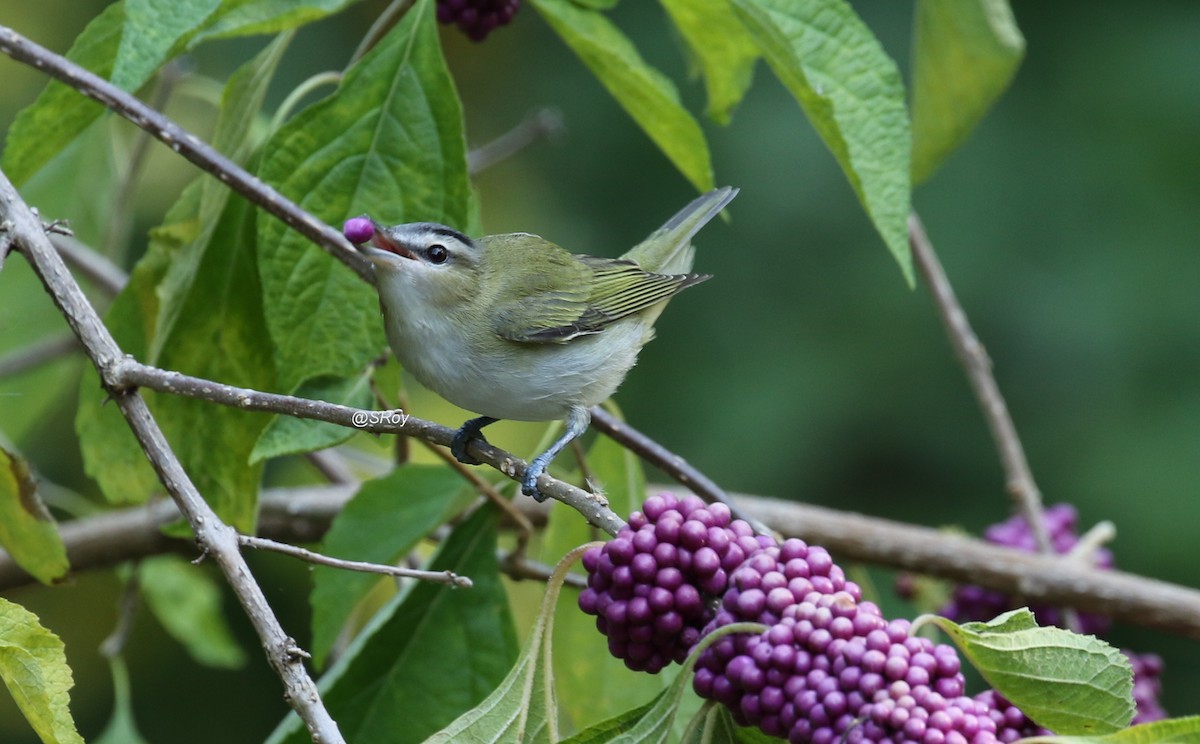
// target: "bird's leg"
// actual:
[[465, 433], [577, 423]]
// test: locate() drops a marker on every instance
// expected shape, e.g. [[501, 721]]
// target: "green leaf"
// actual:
[[121, 728], [210, 321], [34, 668], [241, 103], [43, 128], [607, 730], [431, 653], [644, 92], [221, 314], [965, 53], [221, 335], [129, 42], [27, 531], [381, 524], [712, 724], [288, 435], [1172, 731], [187, 602], [655, 722], [389, 143], [111, 454], [523, 708], [154, 32], [725, 51], [246, 17], [1065, 682], [852, 93]]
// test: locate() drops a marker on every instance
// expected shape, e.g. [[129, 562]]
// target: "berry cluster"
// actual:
[[830, 666], [1011, 724], [976, 603], [1146, 686], [652, 587], [477, 18]]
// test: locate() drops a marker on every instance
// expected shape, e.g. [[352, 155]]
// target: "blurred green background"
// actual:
[[807, 370]]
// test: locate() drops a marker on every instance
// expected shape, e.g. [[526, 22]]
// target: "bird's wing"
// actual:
[[668, 249], [604, 290]]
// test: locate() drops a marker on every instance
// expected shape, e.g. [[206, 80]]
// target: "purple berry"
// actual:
[[477, 18], [976, 603], [358, 229]]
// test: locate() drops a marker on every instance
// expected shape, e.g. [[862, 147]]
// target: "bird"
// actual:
[[512, 326]]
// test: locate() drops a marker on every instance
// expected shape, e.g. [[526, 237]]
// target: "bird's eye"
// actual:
[[438, 254]]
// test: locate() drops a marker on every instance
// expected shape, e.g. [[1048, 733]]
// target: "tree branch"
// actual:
[[304, 514], [186, 144], [214, 536], [128, 373], [978, 366], [679, 469]]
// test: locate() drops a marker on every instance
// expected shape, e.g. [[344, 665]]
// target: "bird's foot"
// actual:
[[468, 431], [529, 485]]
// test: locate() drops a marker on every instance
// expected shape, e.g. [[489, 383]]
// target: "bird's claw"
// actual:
[[458, 445], [529, 482], [468, 431]]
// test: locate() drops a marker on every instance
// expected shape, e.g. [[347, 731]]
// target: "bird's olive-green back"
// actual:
[[543, 294]]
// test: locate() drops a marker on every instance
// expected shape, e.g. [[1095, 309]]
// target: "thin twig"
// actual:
[[215, 537], [384, 23], [437, 577], [331, 466], [676, 468], [523, 525], [186, 144], [127, 606], [978, 366], [544, 123], [129, 373], [83, 258], [37, 354], [538, 571], [1091, 541], [121, 212]]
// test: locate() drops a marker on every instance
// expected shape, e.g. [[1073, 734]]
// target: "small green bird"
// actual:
[[514, 327]]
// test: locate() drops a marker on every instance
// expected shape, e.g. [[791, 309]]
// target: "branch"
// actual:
[[186, 144], [37, 354], [679, 469], [437, 577], [128, 373], [978, 366], [1051, 579], [106, 274], [215, 537], [304, 514]]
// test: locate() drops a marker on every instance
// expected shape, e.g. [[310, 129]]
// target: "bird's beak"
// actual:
[[384, 242]]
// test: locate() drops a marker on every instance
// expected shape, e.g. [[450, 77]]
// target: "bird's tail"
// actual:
[[668, 250]]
